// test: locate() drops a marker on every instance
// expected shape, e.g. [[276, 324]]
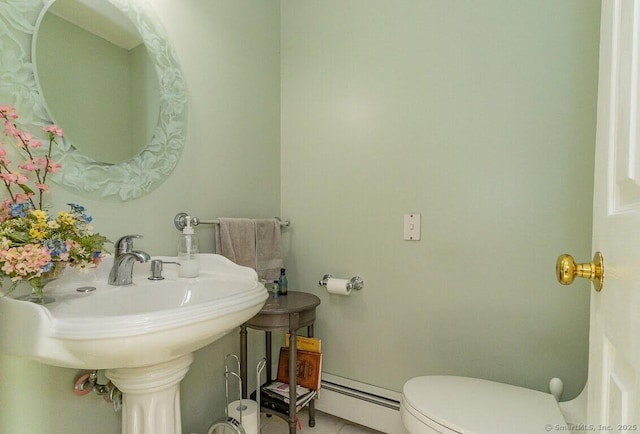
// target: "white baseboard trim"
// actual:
[[361, 403]]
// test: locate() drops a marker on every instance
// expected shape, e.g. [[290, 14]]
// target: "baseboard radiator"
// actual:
[[361, 403]]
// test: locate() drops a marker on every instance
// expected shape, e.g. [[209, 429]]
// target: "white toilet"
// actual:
[[454, 405]]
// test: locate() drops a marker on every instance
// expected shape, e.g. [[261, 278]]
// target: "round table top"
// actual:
[[294, 301]]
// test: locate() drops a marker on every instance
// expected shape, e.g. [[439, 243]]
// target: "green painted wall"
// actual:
[[480, 115]]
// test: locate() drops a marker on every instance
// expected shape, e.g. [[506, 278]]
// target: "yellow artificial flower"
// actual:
[[65, 218], [37, 232], [40, 215]]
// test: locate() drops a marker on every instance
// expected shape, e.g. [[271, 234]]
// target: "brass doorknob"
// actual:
[[567, 270]]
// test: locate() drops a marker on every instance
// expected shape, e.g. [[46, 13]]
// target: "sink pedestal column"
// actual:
[[151, 396]]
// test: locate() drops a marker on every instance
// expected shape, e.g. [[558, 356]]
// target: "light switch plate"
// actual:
[[412, 227]]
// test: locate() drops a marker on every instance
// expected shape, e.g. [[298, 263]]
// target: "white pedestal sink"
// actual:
[[142, 334], [151, 396]]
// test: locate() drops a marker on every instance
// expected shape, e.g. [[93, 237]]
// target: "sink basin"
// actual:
[[142, 334], [147, 323]]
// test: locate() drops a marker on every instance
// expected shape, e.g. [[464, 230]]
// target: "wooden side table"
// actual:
[[285, 313]]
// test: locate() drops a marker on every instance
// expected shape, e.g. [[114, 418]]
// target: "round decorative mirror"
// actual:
[[94, 70], [105, 73]]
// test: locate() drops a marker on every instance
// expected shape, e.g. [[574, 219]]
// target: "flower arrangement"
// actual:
[[33, 244]]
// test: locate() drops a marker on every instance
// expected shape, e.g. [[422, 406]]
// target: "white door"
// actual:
[[614, 355]]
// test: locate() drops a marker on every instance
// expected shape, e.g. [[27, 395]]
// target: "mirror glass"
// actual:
[[94, 70], [93, 164]]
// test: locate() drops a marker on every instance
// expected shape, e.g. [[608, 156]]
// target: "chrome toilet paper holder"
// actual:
[[355, 283]]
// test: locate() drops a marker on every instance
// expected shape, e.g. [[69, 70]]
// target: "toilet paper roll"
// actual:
[[249, 414], [338, 286]]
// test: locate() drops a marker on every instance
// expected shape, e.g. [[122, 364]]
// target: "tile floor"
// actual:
[[325, 424]]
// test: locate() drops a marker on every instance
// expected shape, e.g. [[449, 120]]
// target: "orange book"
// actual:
[[309, 368], [304, 343]]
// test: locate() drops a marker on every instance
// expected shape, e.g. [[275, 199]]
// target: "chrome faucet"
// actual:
[[122, 270]]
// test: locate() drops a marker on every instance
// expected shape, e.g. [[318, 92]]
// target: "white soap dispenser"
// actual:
[[188, 252]]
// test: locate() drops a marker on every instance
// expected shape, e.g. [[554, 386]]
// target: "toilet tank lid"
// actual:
[[471, 405]]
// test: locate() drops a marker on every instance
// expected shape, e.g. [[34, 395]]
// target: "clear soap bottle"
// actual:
[[188, 252]]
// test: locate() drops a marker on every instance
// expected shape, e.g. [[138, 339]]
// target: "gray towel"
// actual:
[[236, 240], [251, 243], [268, 249]]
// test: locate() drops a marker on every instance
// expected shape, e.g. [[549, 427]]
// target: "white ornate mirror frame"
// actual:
[[18, 87]]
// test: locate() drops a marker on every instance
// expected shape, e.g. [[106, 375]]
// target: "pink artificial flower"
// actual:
[[22, 138], [41, 162], [14, 177], [20, 262], [54, 167], [3, 155], [23, 197], [10, 129], [5, 214], [28, 139], [8, 111], [28, 166], [53, 129], [33, 144]]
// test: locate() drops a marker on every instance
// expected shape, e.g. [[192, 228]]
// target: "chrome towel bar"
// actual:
[[180, 221]]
